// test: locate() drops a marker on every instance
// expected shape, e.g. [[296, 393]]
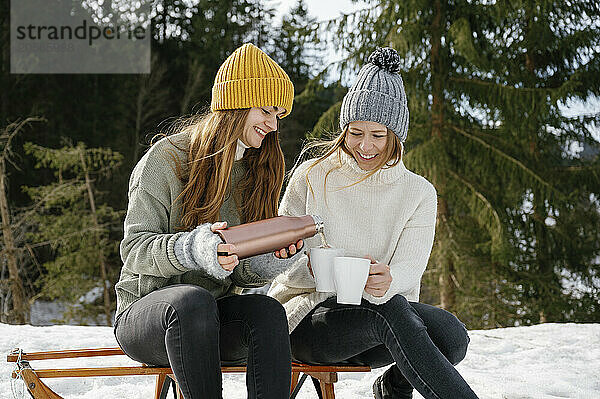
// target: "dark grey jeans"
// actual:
[[184, 327], [423, 341]]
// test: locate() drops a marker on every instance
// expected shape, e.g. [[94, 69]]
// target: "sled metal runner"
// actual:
[[323, 376]]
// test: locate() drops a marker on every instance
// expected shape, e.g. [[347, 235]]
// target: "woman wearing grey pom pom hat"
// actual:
[[372, 207]]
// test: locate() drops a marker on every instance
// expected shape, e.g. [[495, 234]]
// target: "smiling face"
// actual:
[[260, 122], [366, 141]]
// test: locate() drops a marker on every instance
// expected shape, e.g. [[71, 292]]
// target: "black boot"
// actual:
[[392, 385]]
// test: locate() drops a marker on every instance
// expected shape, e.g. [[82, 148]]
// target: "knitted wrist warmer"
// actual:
[[197, 250]]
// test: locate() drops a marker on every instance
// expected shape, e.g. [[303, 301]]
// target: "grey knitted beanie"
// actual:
[[378, 94]]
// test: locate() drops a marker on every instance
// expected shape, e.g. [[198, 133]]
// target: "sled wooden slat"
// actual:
[[325, 369], [66, 354], [99, 372], [326, 375]]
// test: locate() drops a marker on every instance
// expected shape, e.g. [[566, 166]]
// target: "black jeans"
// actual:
[[424, 342], [184, 327]]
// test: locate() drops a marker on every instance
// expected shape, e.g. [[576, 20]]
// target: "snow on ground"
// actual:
[[544, 361]]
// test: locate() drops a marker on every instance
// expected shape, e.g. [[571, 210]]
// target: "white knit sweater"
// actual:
[[390, 216]]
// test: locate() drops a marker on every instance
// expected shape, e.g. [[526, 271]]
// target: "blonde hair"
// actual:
[[206, 174], [322, 149]]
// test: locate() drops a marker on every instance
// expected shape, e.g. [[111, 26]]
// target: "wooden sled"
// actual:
[[326, 376]]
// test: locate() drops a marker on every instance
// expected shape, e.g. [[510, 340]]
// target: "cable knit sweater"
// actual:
[[390, 216], [155, 255]]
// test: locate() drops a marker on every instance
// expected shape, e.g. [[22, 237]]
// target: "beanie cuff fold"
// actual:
[[375, 106], [253, 92]]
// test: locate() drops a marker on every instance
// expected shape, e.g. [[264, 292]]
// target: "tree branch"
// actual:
[[479, 195], [504, 155]]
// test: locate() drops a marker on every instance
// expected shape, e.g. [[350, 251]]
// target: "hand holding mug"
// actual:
[[308, 264], [380, 278]]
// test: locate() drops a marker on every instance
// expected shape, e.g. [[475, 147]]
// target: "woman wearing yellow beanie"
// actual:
[[176, 298]]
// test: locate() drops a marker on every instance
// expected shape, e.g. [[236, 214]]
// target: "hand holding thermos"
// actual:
[[282, 234], [229, 261]]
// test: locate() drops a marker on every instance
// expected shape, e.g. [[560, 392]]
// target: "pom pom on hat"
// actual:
[[386, 58]]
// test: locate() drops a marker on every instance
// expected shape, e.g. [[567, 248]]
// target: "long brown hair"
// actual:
[[322, 149], [206, 175]]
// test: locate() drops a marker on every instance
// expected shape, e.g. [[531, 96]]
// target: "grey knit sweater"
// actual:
[[155, 255]]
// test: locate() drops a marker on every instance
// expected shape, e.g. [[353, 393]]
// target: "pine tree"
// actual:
[[171, 18], [216, 29], [78, 228], [5, 83], [150, 103], [296, 52], [260, 14], [18, 310], [294, 47], [550, 56], [473, 116]]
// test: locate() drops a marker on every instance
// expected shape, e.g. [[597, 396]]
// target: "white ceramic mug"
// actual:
[[351, 276], [321, 262]]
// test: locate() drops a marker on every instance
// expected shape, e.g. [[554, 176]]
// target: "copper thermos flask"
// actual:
[[269, 235]]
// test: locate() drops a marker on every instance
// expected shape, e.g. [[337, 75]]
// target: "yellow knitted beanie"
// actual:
[[250, 78]]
